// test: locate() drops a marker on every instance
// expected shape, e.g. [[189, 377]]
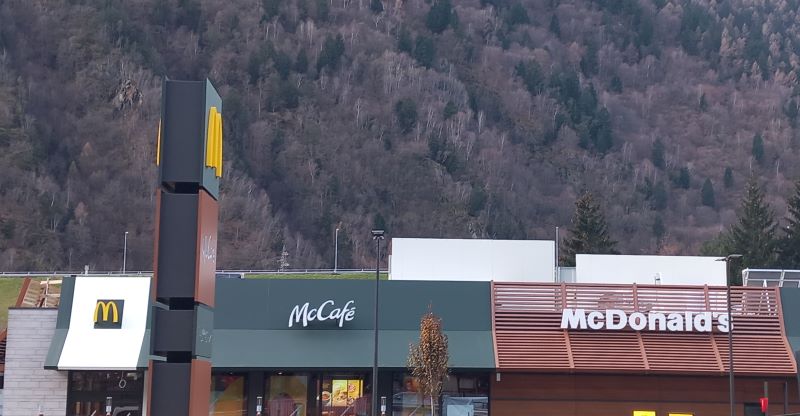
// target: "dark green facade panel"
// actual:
[[310, 349], [252, 323]]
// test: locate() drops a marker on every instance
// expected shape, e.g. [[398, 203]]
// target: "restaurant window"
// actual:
[[344, 395], [228, 395], [87, 392], [462, 395], [316, 394], [287, 395]]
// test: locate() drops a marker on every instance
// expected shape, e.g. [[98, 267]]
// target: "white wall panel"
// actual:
[[472, 260], [673, 270]]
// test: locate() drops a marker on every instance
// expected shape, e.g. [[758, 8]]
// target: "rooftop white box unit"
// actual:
[[666, 270], [472, 260]]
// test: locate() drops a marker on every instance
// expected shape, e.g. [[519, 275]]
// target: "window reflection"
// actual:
[[228, 397], [88, 390], [287, 395], [462, 395]]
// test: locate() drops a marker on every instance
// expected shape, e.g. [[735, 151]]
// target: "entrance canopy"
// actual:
[[103, 323]]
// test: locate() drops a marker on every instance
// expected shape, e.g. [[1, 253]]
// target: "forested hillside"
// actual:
[[437, 118]]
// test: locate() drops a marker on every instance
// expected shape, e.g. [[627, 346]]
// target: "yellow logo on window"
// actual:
[[644, 413], [214, 142]]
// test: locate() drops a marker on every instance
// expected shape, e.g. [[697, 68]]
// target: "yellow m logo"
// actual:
[[214, 141], [108, 313]]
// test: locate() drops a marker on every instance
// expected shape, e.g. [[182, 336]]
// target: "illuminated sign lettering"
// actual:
[[325, 312], [616, 319], [108, 313]]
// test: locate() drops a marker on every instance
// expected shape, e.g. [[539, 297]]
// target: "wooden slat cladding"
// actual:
[[528, 334]]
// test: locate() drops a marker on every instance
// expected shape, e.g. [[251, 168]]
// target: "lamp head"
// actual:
[[730, 257]]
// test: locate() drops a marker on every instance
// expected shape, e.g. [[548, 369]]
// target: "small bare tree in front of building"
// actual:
[[428, 360]]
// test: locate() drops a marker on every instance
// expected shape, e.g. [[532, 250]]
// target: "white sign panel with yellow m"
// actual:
[[107, 323]]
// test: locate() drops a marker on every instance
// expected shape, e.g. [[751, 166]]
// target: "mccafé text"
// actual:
[[325, 312]]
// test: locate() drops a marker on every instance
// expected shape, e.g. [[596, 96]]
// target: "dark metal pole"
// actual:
[[730, 340], [785, 397], [375, 352]]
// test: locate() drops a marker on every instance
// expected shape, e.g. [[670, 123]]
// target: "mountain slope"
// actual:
[[471, 119]]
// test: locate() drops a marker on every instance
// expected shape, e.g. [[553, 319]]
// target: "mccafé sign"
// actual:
[[615, 319], [326, 311]]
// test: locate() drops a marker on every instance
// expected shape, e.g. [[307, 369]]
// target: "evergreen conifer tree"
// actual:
[[657, 154], [424, 51], [588, 233], [658, 228], [404, 41], [660, 196], [555, 26], [753, 235], [440, 16], [683, 179], [728, 179], [758, 148], [789, 251], [707, 194], [616, 84]]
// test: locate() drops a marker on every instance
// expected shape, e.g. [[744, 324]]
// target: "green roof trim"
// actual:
[[62, 322], [313, 349]]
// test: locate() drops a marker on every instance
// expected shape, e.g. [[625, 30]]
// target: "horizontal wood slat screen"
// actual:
[[529, 337]]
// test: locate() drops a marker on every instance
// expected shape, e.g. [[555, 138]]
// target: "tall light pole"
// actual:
[[729, 280], [336, 252], [125, 253], [377, 235]]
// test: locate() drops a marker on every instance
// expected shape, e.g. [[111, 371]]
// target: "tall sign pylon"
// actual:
[[189, 159]]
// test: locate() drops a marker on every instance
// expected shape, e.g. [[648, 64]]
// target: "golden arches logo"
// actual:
[[158, 145], [214, 141], [108, 313]]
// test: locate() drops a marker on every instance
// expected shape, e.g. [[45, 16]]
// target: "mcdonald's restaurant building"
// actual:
[[305, 348]]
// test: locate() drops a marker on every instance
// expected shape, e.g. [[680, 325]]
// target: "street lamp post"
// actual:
[[125, 253], [729, 279], [377, 235], [336, 252]]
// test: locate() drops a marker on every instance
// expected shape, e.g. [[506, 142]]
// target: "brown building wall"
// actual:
[[518, 394]]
